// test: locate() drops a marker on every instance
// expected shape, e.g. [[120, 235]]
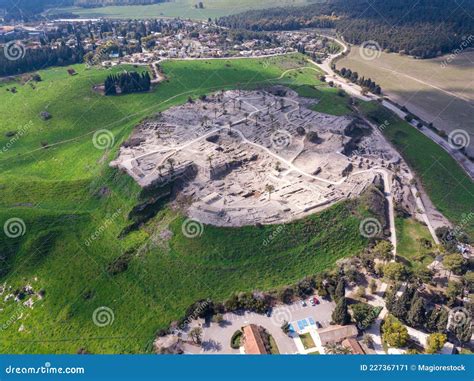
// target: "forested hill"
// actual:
[[423, 28], [29, 9], [26, 9]]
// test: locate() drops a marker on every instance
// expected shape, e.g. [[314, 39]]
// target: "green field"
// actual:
[[180, 8], [60, 185], [448, 186], [330, 100], [410, 235]]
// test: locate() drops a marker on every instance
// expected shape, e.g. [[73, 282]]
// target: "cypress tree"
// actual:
[[340, 315]]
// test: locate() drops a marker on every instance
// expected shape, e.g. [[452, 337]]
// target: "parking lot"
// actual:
[[216, 338]]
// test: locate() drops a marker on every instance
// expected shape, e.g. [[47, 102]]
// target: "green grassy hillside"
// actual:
[[74, 208]]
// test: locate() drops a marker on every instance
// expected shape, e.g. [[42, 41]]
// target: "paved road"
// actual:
[[356, 91]]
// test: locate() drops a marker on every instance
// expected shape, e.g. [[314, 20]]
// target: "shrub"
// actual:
[[235, 339]]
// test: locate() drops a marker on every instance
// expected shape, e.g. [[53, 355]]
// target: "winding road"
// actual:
[[356, 91]]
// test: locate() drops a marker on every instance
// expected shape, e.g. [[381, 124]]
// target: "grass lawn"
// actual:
[[410, 232], [307, 340], [330, 101], [74, 208], [448, 186]]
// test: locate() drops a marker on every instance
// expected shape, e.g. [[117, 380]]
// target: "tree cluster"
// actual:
[[128, 82], [365, 83], [36, 59]]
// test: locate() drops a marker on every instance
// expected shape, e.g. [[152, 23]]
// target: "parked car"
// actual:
[[303, 303], [313, 303], [315, 300]]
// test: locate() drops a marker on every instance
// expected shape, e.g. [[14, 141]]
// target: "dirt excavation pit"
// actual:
[[256, 156]]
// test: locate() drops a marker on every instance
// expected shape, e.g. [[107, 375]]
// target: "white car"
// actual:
[[303, 303]]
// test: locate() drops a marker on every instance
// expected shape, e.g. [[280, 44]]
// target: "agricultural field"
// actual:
[[450, 189], [437, 90], [179, 8], [56, 178]]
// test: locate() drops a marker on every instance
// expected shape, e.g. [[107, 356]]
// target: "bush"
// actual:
[[235, 339], [395, 333]]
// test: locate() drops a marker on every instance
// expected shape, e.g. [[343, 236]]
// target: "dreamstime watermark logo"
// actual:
[[458, 316], [14, 50], [14, 228], [459, 139], [194, 315], [281, 139], [103, 316], [266, 63], [370, 50], [370, 227], [466, 42], [273, 235], [103, 139], [101, 54], [458, 230], [281, 316], [100, 230], [13, 317], [16, 135], [192, 228], [383, 126], [45, 369]]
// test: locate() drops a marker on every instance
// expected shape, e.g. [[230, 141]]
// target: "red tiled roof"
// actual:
[[253, 343], [354, 346]]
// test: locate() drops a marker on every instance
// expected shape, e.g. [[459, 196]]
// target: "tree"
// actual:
[[383, 250], [453, 290], [437, 320], [424, 274], [286, 295], [313, 137], [285, 327], [453, 263], [390, 299], [402, 304], [372, 286], [364, 315], [435, 342], [463, 331], [416, 315], [218, 318], [395, 333], [340, 315], [336, 349], [469, 281], [394, 271], [340, 290], [196, 335], [269, 189], [171, 162], [361, 291], [368, 340]]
